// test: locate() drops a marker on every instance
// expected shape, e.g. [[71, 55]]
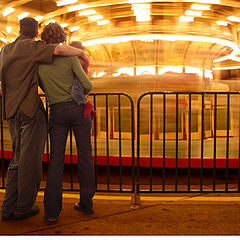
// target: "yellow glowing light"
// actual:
[[143, 70], [73, 39], [230, 56], [234, 19], [143, 18], [208, 74], [100, 74], [87, 12], [23, 15], [166, 37], [142, 12], [138, 1], [7, 11], [205, 1], [77, 7], [200, 7], [186, 19], [136, 7], [162, 37], [223, 23], [63, 25], [128, 70], [95, 17], [50, 21], [102, 22], [51, 16], [3, 40], [226, 68], [237, 59], [116, 74], [193, 13], [8, 29], [38, 18], [170, 69], [198, 71], [75, 28], [147, 40], [65, 2]]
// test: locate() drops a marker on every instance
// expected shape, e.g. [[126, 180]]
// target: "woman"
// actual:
[[57, 80]]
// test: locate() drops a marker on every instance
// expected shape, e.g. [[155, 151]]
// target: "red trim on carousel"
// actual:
[[170, 162]]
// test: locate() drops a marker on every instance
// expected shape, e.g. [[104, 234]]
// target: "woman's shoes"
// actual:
[[78, 207], [50, 221]]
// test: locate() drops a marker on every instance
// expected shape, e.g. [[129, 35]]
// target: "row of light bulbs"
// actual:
[[92, 15], [141, 70], [140, 8], [196, 10]]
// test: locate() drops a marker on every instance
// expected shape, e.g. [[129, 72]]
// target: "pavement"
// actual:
[[162, 214]]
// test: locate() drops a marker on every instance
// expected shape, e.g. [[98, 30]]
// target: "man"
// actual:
[[24, 111]]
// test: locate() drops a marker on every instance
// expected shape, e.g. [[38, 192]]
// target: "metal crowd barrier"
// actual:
[[212, 145], [184, 142], [107, 161]]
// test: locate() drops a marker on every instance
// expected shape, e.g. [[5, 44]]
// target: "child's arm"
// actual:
[[81, 75], [85, 64]]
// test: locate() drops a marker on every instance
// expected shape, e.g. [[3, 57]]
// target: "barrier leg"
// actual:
[[135, 201]]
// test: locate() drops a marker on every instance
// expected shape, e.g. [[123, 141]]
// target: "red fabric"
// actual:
[[85, 64], [89, 109]]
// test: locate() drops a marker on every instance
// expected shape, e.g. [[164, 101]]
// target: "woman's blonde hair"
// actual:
[[53, 33]]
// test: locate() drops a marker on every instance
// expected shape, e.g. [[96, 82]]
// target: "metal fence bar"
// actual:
[[176, 168], [95, 142], [120, 141], [189, 139], [227, 143], [138, 144], [215, 142], [133, 144], [151, 139], [238, 144], [202, 138], [164, 141], [107, 145]]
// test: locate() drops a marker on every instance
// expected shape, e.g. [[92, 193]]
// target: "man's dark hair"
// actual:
[[28, 27]]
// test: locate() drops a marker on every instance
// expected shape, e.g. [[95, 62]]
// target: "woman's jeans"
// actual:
[[63, 116]]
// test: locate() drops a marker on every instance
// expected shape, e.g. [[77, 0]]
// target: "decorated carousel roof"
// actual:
[[135, 37]]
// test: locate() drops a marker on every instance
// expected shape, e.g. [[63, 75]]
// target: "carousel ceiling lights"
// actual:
[[65, 2]]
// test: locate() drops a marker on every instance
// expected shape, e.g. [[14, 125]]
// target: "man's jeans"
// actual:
[[28, 137], [62, 117]]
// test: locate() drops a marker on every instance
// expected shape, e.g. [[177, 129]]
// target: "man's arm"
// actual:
[[65, 50]]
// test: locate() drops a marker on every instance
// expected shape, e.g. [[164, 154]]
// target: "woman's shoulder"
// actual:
[[63, 58], [66, 58]]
